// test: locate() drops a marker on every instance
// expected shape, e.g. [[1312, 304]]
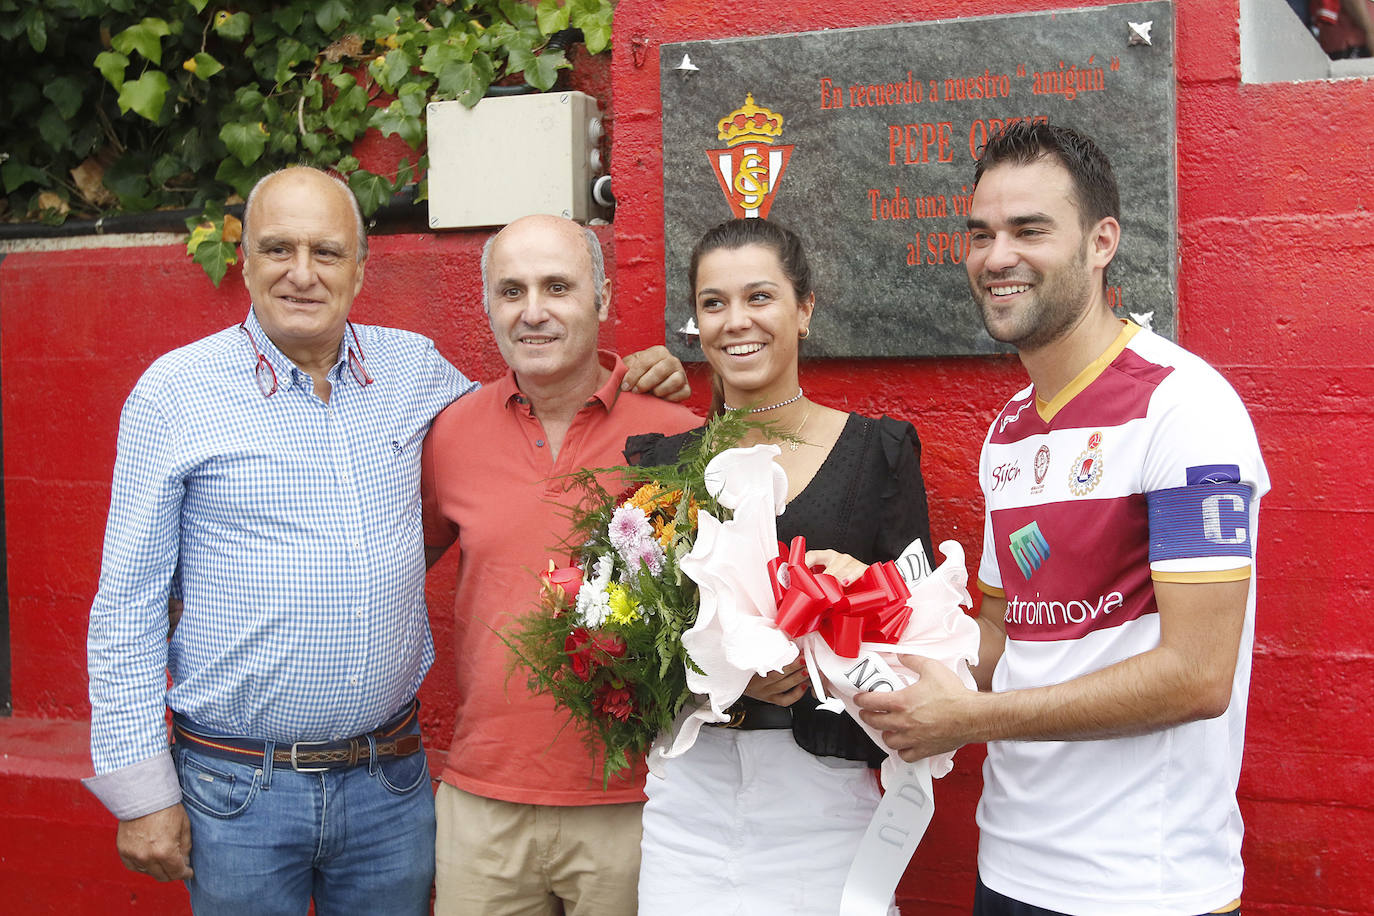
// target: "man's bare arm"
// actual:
[[1186, 677], [992, 641]]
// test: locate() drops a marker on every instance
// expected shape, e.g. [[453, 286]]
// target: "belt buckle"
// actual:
[[295, 763]]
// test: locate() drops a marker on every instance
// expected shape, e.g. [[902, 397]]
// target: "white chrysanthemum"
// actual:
[[593, 603]]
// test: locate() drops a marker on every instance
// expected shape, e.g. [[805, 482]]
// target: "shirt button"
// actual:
[[539, 443], [353, 680], [358, 614]]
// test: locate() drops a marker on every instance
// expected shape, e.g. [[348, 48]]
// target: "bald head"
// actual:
[[543, 232], [546, 295], [316, 180]]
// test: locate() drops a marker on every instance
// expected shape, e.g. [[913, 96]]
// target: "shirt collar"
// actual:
[[1090, 373], [288, 373], [509, 390]]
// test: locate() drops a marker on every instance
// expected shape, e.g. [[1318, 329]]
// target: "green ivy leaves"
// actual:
[[186, 103], [145, 38], [245, 141], [145, 95]]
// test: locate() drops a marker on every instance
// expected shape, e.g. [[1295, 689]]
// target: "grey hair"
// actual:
[[348, 193], [593, 251]]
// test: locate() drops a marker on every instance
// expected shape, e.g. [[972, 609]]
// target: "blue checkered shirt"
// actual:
[[292, 528]]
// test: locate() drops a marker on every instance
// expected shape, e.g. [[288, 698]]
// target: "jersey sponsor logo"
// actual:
[[1010, 418], [1004, 474], [1214, 473], [1029, 549], [1087, 469], [1203, 520], [1041, 612]]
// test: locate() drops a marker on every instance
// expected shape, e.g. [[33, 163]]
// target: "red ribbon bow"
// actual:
[[872, 608]]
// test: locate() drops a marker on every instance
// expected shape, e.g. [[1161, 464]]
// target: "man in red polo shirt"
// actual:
[[523, 819]]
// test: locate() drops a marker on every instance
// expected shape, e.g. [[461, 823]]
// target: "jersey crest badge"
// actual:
[[1086, 472], [1042, 464]]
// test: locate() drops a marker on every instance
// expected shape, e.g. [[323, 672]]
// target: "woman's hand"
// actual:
[[840, 565], [781, 688]]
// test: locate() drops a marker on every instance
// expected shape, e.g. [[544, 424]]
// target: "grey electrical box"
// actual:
[[508, 157]]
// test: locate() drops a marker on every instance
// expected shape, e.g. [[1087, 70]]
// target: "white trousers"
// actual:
[[748, 823]]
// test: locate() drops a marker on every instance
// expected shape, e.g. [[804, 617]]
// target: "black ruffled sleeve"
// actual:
[[641, 450], [649, 449], [904, 512]]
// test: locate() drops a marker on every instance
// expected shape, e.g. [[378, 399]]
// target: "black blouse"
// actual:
[[866, 500]]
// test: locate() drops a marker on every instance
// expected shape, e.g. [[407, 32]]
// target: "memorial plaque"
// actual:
[[864, 142]]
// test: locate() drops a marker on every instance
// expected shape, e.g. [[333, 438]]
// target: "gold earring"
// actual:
[[803, 333]]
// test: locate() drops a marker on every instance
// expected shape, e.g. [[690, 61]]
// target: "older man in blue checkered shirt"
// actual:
[[271, 471]]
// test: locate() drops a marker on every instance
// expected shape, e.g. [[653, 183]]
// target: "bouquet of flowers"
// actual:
[[606, 641]]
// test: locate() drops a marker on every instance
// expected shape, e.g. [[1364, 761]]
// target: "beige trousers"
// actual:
[[496, 858]]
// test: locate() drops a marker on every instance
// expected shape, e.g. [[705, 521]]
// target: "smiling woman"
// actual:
[[793, 779]]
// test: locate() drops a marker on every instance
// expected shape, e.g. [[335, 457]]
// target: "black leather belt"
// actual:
[[748, 714], [308, 756]]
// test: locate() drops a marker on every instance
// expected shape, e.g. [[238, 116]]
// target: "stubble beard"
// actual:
[[1055, 307]]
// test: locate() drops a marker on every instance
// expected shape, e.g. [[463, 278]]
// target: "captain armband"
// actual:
[[1201, 520]]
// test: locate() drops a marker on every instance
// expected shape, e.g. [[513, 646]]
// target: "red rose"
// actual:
[[588, 651], [609, 644], [567, 579], [615, 702], [576, 648]]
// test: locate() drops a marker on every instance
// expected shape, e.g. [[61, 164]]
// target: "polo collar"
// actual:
[[508, 389]]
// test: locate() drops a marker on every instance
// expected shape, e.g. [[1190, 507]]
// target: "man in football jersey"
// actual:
[[1117, 574]]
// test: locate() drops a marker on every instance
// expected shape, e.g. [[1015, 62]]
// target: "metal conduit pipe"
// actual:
[[397, 215]]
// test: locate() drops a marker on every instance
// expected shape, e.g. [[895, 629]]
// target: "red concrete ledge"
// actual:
[[57, 843]]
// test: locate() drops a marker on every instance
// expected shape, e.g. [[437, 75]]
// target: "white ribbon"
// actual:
[[734, 638]]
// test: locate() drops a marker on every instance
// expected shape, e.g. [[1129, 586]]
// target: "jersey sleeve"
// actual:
[[1203, 479]]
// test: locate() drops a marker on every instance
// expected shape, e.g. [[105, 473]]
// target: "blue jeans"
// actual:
[[268, 841]]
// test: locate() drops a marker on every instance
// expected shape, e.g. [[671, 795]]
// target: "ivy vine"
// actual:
[[130, 105]]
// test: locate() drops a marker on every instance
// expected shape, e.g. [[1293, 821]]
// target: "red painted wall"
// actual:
[[1276, 235], [1274, 227]]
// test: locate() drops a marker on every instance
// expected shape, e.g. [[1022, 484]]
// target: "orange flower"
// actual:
[[665, 531], [644, 497]]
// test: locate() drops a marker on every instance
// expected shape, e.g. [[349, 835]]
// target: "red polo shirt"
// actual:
[[490, 485]]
